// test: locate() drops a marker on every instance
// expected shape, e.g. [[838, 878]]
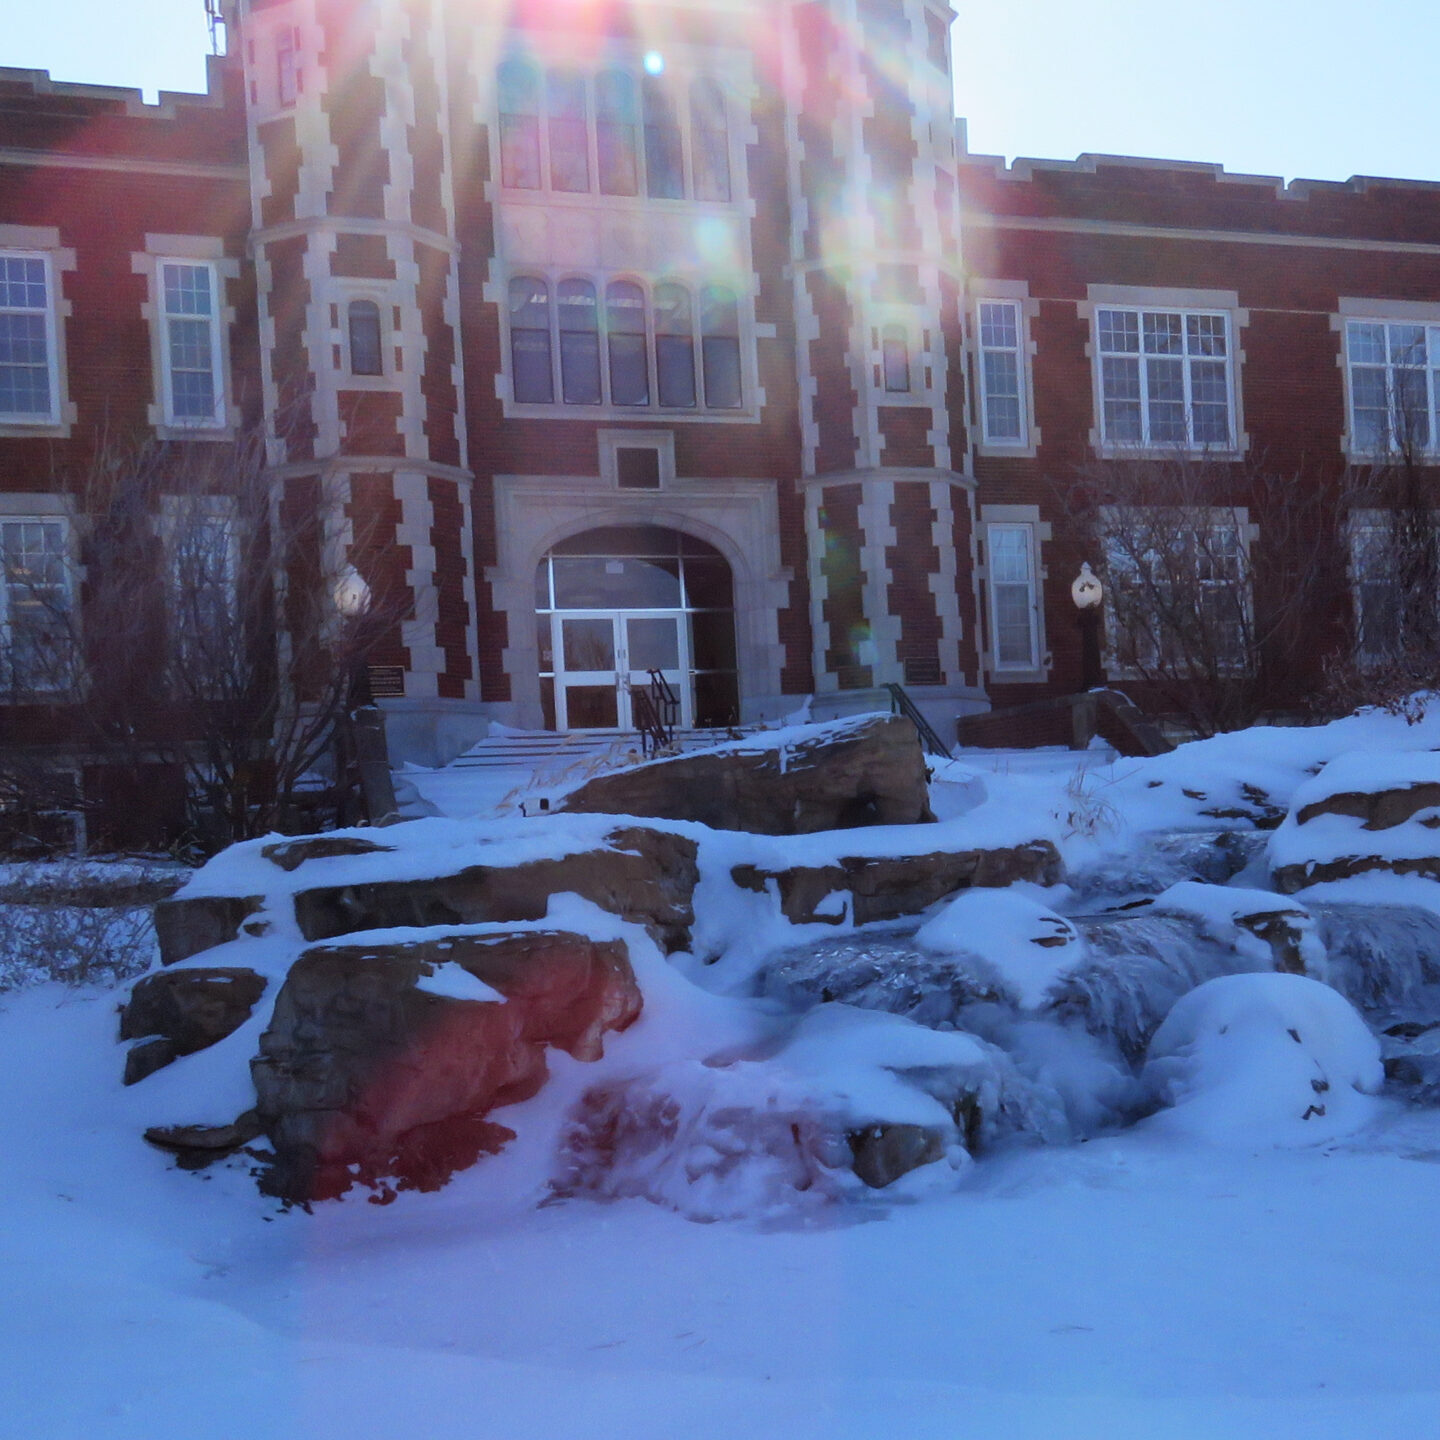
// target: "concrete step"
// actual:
[[531, 748]]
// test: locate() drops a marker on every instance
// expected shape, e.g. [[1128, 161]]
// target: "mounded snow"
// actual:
[[1265, 1059], [1226, 1268]]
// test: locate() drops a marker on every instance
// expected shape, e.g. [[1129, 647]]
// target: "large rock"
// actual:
[[647, 876], [869, 771], [177, 1012], [382, 1062], [1363, 812], [886, 887], [187, 925]]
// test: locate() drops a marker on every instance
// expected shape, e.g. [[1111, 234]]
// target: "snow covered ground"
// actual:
[[1149, 1282]]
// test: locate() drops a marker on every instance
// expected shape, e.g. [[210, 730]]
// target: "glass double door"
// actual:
[[600, 656]]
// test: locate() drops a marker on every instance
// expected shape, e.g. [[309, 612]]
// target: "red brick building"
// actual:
[[629, 335]]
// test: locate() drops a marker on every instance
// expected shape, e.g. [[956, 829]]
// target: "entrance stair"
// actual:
[[553, 750]]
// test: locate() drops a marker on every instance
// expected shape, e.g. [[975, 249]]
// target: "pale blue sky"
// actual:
[[1320, 88]]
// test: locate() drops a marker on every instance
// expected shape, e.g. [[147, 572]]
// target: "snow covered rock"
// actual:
[[1267, 1059], [1362, 812], [849, 1100], [864, 771], [185, 925], [381, 1064], [640, 874], [177, 1012], [887, 887]]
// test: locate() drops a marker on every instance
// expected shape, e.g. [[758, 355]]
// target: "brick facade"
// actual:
[[736, 237]]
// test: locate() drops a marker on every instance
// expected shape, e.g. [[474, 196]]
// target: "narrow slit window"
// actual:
[[664, 153], [287, 65], [579, 343], [532, 374], [366, 353], [569, 133], [720, 347], [625, 335], [617, 132], [895, 355], [709, 141], [519, 126], [675, 347]]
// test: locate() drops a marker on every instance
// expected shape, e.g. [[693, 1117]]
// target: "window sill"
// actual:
[[18, 427], [640, 414], [1125, 450]]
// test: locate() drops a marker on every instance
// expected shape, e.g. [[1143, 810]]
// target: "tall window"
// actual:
[[895, 359], [625, 333], [36, 608], [1001, 371], [569, 135], [617, 133], [709, 141], [1179, 597], [674, 346], [604, 336], [519, 126], [664, 154], [191, 343], [532, 375], [1164, 377], [363, 322], [1012, 597], [203, 550], [1394, 385], [28, 383], [720, 347], [579, 343]]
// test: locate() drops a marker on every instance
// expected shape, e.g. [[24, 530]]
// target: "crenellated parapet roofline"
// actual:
[[1145, 191]]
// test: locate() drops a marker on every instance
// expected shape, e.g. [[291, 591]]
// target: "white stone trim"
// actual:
[[533, 513]]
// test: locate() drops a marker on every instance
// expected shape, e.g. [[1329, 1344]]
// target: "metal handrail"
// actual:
[[654, 712], [902, 704]]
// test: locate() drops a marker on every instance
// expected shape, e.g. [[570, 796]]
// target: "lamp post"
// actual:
[[362, 726], [1089, 594]]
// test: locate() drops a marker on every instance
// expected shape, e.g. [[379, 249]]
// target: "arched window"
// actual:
[[720, 347], [664, 154], [579, 343], [531, 374], [363, 324], [625, 334], [519, 125], [895, 359], [569, 137], [674, 346], [709, 141], [617, 131]]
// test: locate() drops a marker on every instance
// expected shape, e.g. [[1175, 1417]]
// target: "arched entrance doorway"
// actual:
[[613, 604]]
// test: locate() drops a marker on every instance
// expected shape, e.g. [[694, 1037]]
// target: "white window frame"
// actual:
[[215, 418], [179, 516], [1187, 359], [1429, 369], [24, 510], [1026, 531], [1172, 522], [1020, 351], [606, 409], [681, 80], [52, 357]]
